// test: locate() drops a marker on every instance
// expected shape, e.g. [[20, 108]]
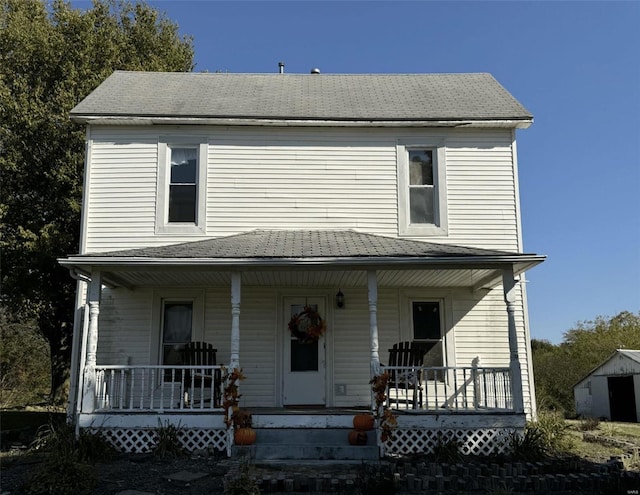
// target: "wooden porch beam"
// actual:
[[89, 383], [235, 320], [372, 284], [509, 286]]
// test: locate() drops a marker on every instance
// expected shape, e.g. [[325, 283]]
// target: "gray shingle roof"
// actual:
[[332, 97], [294, 244]]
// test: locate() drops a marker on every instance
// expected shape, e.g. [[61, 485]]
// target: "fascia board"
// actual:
[[516, 123], [524, 262]]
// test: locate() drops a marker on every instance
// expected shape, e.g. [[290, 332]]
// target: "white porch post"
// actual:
[[235, 320], [372, 283], [509, 287], [89, 384]]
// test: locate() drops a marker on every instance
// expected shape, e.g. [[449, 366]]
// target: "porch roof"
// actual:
[[209, 261]]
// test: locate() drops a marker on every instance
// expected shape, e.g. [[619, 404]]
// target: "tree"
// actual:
[[558, 368], [51, 57]]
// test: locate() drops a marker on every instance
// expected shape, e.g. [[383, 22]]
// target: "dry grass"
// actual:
[[597, 452]]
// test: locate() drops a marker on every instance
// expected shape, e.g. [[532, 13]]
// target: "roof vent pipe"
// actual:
[[315, 70], [281, 67]]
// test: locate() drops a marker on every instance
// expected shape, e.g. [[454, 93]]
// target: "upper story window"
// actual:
[[422, 208], [182, 174], [183, 185]]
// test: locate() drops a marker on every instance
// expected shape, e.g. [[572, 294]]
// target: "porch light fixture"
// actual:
[[340, 299]]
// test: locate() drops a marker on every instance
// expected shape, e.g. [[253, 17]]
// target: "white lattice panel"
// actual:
[[474, 441], [142, 440]]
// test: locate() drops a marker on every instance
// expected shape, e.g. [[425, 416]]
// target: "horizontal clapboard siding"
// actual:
[[125, 331], [301, 179], [276, 178], [481, 191]]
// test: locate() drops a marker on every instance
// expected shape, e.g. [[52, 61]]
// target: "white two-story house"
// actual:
[[217, 207]]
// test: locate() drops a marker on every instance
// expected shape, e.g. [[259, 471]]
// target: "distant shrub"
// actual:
[[589, 424], [25, 370]]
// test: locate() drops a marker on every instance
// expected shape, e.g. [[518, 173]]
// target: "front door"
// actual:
[[304, 380]]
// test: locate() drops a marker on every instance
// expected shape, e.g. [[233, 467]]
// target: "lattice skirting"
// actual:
[[142, 440], [472, 441]]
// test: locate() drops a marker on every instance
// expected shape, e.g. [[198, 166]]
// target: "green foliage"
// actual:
[[168, 444], [67, 468], [51, 57], [446, 450], [24, 364], [62, 476], [548, 436], [557, 368], [58, 439], [241, 483], [589, 424]]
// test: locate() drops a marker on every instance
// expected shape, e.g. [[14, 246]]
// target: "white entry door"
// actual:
[[304, 377]]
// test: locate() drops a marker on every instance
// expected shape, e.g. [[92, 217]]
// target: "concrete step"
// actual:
[[308, 436], [309, 444]]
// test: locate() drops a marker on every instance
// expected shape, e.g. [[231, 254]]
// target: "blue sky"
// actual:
[[575, 65]]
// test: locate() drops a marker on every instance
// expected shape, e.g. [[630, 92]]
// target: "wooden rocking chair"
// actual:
[[409, 355], [201, 354]]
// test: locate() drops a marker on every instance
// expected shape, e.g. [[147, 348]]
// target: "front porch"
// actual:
[[471, 405], [470, 385]]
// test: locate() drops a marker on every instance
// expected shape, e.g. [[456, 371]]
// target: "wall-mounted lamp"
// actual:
[[340, 299]]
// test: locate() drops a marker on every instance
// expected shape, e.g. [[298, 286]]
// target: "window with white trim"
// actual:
[[181, 207], [422, 208]]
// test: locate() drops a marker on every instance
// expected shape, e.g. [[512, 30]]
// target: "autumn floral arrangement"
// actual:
[[307, 326], [231, 394], [385, 419]]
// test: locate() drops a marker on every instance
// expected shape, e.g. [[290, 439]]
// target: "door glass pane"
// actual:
[[304, 357]]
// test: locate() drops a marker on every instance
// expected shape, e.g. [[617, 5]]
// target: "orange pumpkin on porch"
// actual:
[[357, 437], [244, 436], [363, 422]]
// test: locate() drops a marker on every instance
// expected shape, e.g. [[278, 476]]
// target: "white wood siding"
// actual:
[[275, 178]]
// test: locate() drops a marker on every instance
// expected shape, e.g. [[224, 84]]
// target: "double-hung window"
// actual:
[[181, 207], [422, 198]]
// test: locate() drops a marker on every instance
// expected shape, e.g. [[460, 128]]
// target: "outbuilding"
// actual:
[[612, 390]]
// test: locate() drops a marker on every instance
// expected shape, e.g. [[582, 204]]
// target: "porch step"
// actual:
[[310, 444]]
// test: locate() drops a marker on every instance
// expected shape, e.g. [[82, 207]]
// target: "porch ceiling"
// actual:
[[475, 278]]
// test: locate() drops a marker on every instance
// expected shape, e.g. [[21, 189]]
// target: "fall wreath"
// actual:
[[307, 326]]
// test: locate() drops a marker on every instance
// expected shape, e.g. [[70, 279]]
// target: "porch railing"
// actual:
[[441, 389], [157, 388]]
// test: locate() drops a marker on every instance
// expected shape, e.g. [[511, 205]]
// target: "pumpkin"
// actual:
[[244, 436], [363, 422], [357, 437]]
